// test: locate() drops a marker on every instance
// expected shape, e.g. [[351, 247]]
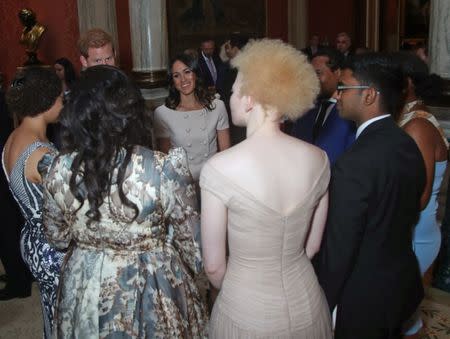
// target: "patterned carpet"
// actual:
[[436, 315], [21, 318]]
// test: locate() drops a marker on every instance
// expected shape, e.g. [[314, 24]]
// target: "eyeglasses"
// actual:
[[342, 87]]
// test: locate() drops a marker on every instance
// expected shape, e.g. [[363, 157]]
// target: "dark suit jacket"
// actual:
[[335, 136], [350, 54], [366, 264], [308, 51], [6, 122], [237, 133], [206, 74]]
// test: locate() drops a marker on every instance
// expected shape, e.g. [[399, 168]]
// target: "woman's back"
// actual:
[[27, 194], [278, 171], [270, 285], [43, 261], [129, 272]]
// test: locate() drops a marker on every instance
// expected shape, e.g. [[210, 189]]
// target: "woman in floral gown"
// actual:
[[129, 215]]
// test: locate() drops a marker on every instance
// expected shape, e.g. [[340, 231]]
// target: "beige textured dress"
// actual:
[[270, 289], [195, 131]]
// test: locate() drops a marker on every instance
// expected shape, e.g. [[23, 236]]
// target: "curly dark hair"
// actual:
[[426, 86], [103, 119], [69, 71], [33, 91], [201, 92]]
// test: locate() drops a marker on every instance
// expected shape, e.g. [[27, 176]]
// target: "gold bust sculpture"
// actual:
[[31, 35]]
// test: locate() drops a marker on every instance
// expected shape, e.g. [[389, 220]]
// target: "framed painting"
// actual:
[[190, 21], [414, 19]]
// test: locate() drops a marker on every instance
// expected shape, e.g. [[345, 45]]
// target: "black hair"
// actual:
[[426, 86], [385, 75], [207, 39], [103, 119], [238, 40], [33, 91], [69, 71], [201, 92], [335, 58]]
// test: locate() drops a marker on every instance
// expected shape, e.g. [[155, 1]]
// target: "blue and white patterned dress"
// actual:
[[43, 260], [124, 277]]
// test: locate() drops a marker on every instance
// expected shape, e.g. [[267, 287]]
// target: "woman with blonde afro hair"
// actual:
[[268, 198]]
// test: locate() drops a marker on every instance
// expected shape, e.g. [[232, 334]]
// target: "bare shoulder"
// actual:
[[418, 124], [224, 158], [304, 150], [230, 160], [420, 127]]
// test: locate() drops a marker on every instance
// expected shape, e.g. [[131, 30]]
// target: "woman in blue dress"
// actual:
[[425, 130], [35, 99]]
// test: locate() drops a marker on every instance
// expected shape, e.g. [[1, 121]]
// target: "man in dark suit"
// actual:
[[18, 278], [232, 48], [366, 265], [322, 126], [344, 44], [211, 67], [313, 47]]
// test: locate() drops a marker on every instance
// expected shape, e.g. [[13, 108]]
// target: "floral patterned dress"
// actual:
[[129, 279]]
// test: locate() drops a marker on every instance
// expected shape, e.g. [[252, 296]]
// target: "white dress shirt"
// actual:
[[368, 122]]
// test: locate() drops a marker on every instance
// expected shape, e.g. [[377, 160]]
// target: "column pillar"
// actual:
[[372, 22], [298, 34], [149, 42], [439, 58], [439, 38]]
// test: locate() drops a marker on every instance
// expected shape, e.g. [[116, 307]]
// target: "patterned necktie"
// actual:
[[320, 118]]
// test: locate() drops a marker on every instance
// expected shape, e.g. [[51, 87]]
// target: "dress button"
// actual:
[[203, 128], [188, 130], [189, 145], [186, 116], [204, 142], [191, 158], [205, 155]]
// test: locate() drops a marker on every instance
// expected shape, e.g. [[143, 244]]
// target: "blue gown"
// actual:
[[427, 233], [43, 260], [427, 237]]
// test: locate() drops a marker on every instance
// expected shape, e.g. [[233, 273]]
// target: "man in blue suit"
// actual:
[[322, 126]]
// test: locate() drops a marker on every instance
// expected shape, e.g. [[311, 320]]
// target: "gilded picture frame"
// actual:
[[190, 21], [414, 20]]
